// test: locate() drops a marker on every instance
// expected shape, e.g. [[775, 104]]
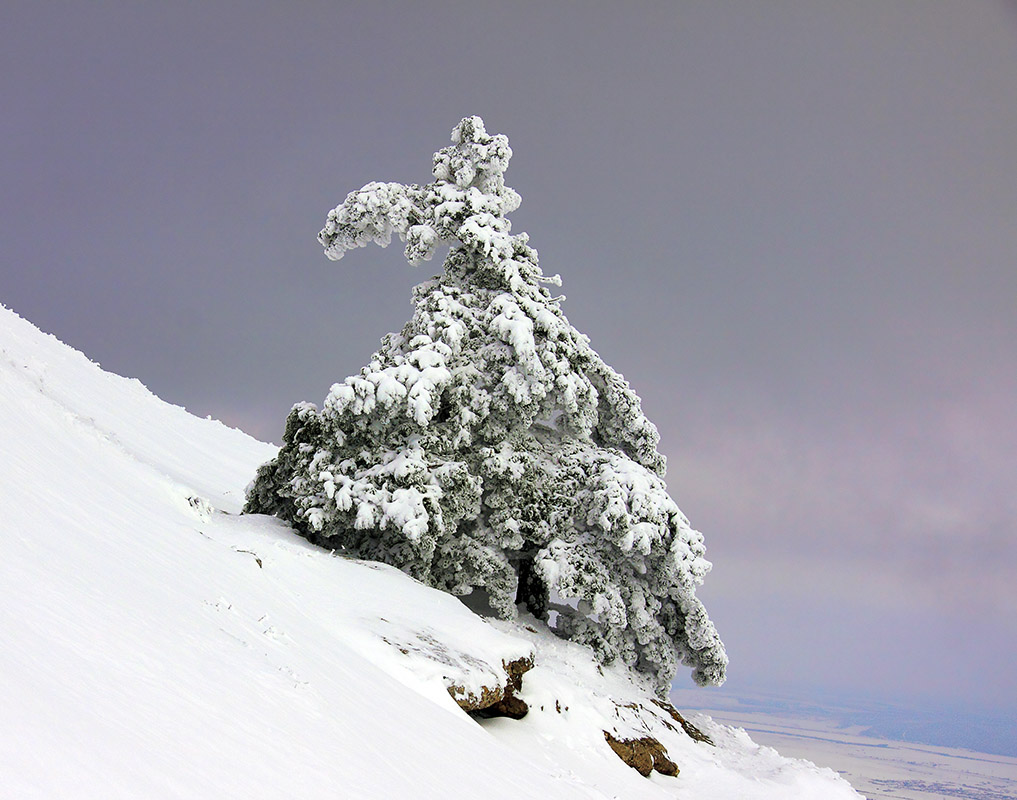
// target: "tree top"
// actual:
[[465, 206]]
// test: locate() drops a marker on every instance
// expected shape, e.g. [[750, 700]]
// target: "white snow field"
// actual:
[[158, 644]]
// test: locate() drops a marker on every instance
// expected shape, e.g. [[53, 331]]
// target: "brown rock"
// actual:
[[469, 702], [643, 755], [515, 670], [687, 726], [497, 701], [510, 706]]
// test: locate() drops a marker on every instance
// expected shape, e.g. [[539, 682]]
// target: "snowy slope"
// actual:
[[157, 644]]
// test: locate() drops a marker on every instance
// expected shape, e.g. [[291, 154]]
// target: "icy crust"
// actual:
[[488, 445]]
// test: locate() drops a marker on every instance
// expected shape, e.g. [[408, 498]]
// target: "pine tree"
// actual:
[[486, 447]]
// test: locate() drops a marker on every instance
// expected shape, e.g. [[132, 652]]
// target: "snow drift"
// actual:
[[158, 644]]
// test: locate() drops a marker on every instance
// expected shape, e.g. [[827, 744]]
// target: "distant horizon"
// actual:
[[915, 719]]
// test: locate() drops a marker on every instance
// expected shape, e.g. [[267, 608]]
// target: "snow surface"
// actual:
[[157, 644]]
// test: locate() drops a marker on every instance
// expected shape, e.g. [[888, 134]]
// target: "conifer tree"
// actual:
[[486, 447]]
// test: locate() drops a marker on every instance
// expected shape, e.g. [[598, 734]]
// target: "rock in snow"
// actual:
[[158, 644]]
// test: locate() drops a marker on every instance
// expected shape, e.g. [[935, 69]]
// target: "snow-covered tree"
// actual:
[[487, 447]]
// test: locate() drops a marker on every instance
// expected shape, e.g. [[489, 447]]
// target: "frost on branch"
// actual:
[[487, 446]]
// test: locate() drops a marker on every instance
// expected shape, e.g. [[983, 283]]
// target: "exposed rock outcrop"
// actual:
[[497, 701], [644, 755], [687, 726]]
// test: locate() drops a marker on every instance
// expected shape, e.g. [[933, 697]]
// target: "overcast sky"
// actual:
[[791, 226]]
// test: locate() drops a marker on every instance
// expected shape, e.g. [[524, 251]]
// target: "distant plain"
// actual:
[[868, 743]]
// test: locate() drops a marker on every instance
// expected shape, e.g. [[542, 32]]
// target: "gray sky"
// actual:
[[792, 226]]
